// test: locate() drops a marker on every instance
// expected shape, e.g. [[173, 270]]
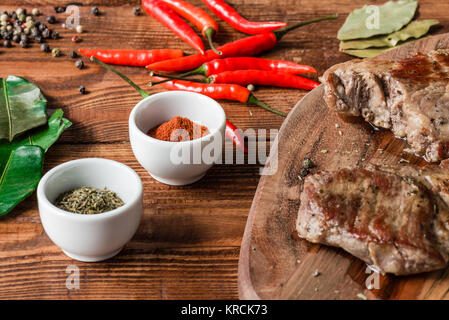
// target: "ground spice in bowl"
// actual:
[[178, 129]]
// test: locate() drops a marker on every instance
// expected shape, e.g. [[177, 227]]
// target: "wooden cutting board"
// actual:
[[276, 264]]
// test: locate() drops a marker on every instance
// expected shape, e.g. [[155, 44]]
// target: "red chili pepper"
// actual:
[[231, 131], [228, 14], [218, 91], [235, 135], [246, 63], [256, 77], [263, 78], [137, 58], [249, 46], [198, 17], [171, 20]]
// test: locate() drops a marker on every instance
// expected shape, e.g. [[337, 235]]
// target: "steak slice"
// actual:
[[410, 97], [395, 220]]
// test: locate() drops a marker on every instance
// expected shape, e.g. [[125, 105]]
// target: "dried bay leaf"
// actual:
[[377, 20], [372, 52], [366, 53], [415, 29]]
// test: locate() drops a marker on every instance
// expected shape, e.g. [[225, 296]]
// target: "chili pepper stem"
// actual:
[[151, 83], [253, 100], [209, 34], [280, 33], [169, 77], [143, 93], [201, 70]]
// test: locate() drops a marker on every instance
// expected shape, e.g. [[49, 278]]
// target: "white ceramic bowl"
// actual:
[[163, 159], [93, 237]]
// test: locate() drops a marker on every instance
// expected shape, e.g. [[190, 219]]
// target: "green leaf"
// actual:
[[20, 163], [22, 107], [20, 176], [376, 20], [42, 136], [414, 29]]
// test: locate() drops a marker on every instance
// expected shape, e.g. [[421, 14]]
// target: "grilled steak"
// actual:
[[410, 97], [396, 219]]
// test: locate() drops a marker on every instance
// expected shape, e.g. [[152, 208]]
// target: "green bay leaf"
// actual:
[[21, 157], [376, 20], [22, 107], [20, 176], [414, 29]]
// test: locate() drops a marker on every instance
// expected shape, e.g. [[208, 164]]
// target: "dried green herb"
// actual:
[[87, 200]]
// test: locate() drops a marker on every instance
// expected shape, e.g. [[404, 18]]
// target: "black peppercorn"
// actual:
[[16, 38], [59, 9], [23, 44], [54, 35], [95, 11], [79, 64], [37, 24], [7, 44], [13, 15], [73, 54], [8, 35], [38, 39], [23, 37], [82, 90], [42, 27], [45, 47], [137, 11], [51, 19]]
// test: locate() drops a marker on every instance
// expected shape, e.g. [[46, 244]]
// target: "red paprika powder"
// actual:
[[178, 129]]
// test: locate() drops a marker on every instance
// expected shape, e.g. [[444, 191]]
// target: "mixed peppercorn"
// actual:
[[19, 27]]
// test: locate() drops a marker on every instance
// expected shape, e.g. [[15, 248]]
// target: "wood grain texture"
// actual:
[[188, 243], [274, 262]]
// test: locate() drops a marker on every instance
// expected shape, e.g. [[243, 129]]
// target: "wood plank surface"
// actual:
[[274, 262], [188, 243]]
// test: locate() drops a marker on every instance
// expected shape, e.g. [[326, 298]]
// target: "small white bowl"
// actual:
[[162, 159], [93, 237]]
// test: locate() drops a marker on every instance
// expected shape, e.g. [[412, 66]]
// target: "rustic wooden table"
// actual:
[[187, 245]]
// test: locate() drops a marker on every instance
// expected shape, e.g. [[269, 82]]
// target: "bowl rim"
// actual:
[[142, 103], [41, 196]]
